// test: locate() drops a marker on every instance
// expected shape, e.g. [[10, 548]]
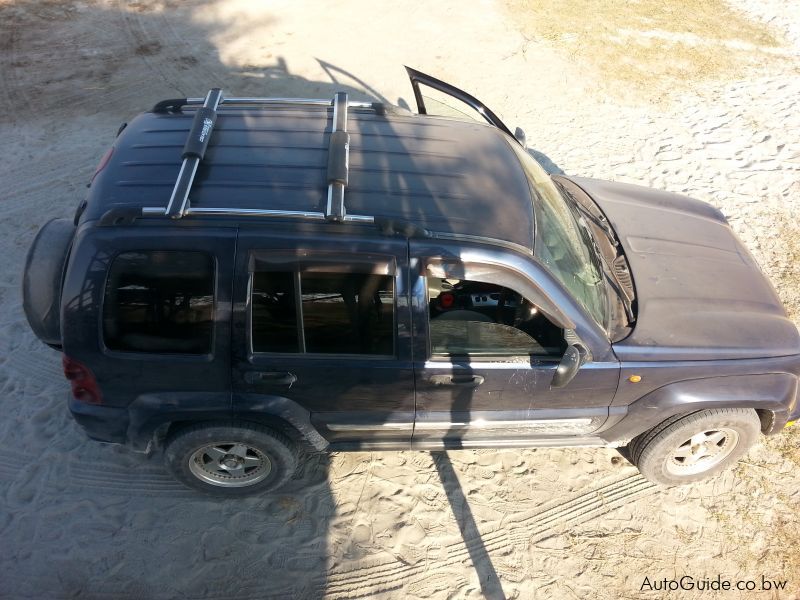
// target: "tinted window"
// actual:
[[342, 313], [476, 318], [159, 302], [274, 310]]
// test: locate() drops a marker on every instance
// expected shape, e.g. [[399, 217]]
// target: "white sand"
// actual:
[[80, 519]]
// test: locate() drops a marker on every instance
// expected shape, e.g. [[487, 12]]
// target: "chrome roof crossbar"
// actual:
[[193, 152], [338, 160]]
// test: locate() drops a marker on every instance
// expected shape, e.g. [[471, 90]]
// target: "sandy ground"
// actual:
[[616, 92]]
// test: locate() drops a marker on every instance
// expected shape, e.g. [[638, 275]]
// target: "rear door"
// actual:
[[150, 311], [325, 324]]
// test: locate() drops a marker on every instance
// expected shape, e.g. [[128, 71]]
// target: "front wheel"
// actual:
[[692, 447], [230, 459]]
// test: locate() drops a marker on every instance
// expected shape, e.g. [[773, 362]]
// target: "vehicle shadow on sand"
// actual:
[[86, 519]]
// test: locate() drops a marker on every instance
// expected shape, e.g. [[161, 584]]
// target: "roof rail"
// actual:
[[193, 152], [174, 104]]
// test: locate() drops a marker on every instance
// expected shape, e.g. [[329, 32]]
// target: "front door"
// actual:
[[325, 324], [436, 97], [487, 359]]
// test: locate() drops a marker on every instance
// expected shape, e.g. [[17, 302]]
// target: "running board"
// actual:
[[457, 444]]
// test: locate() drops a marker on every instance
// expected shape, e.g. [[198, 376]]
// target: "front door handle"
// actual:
[[469, 381], [273, 377]]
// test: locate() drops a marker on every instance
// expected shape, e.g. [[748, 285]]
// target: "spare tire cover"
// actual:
[[41, 282]]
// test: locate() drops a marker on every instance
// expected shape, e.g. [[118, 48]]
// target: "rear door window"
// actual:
[[323, 312], [160, 302]]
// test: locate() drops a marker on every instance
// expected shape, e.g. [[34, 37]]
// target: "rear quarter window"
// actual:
[[159, 302]]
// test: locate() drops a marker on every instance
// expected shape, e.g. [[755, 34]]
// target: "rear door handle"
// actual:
[[273, 377], [469, 381]]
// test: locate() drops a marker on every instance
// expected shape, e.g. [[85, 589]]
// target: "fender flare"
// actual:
[[151, 414], [772, 394], [260, 408]]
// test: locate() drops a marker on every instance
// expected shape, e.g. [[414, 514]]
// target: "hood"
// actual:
[[700, 293]]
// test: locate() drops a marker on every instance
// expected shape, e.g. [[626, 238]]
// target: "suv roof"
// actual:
[[447, 176]]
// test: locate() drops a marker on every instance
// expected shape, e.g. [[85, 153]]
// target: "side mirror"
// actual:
[[573, 359], [519, 134]]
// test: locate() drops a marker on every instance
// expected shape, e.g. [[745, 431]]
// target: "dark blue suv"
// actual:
[[248, 276]]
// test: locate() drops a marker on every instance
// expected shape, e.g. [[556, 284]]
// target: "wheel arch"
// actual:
[[771, 395], [153, 418]]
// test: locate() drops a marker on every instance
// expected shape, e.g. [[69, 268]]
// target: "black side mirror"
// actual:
[[519, 134], [573, 359]]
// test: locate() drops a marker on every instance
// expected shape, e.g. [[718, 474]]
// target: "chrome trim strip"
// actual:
[[463, 237], [483, 424], [370, 427], [445, 425]]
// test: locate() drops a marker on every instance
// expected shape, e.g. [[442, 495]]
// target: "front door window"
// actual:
[[479, 319]]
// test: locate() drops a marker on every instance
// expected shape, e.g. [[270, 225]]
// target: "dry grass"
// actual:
[[787, 444], [652, 46], [787, 278], [763, 510]]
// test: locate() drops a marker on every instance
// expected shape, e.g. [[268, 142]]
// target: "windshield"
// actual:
[[563, 245]]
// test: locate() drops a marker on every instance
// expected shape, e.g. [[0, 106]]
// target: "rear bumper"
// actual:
[[101, 423]]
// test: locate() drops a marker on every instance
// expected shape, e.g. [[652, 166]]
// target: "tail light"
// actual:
[[82, 380]]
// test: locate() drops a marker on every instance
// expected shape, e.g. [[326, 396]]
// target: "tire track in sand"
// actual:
[[520, 530]]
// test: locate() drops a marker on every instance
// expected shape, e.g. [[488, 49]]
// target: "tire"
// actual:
[[230, 459], [688, 448]]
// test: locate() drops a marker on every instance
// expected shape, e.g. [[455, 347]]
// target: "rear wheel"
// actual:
[[692, 447], [230, 459]]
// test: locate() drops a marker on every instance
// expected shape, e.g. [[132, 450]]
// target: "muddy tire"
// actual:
[[688, 448], [230, 459]]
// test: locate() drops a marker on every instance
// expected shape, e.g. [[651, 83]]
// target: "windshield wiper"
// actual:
[[627, 303], [600, 221]]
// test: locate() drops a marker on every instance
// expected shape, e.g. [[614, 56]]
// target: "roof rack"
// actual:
[[194, 150]]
